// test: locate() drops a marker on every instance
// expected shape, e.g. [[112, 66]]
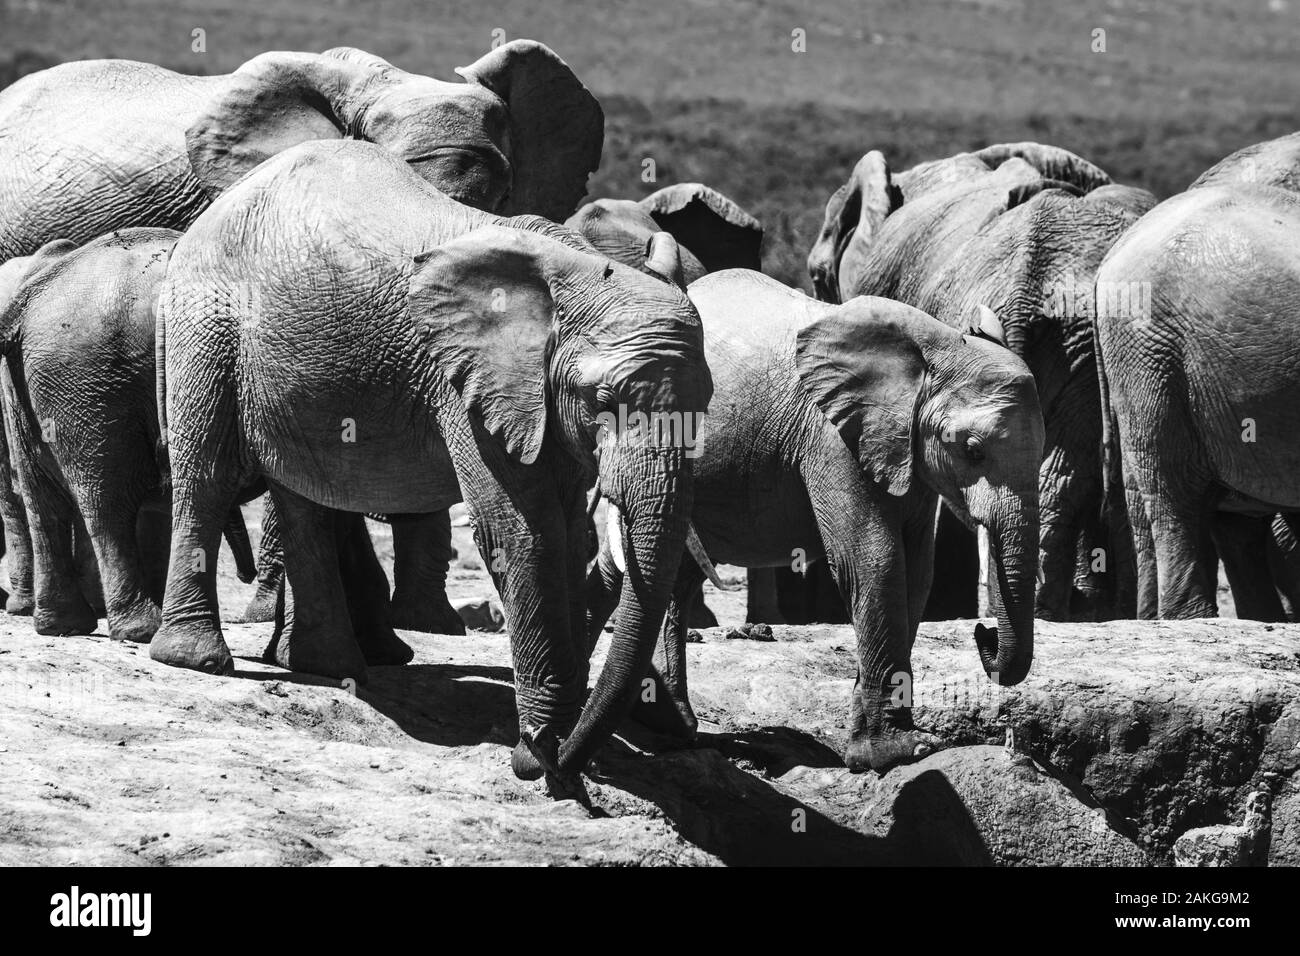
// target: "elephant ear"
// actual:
[[1022, 193], [663, 257], [715, 229], [862, 365], [854, 216], [557, 127], [350, 54], [273, 102], [1052, 162], [1136, 202], [483, 305]]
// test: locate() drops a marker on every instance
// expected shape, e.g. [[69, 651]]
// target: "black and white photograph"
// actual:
[[618, 433]]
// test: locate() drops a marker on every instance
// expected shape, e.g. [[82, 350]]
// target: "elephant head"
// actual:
[[520, 135], [559, 353], [712, 231], [914, 399], [857, 212]]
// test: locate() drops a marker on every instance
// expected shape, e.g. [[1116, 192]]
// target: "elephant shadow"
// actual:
[[720, 794]]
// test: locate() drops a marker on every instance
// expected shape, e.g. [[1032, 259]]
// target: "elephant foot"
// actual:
[[666, 714], [20, 603], [73, 616], [543, 751], [328, 652], [891, 748], [524, 765], [261, 607], [194, 646], [431, 615], [380, 646], [700, 616], [138, 625]]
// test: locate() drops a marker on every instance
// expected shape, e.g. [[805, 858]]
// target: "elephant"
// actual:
[[1017, 229], [709, 228], [1194, 338], [477, 355], [97, 145], [833, 432], [77, 333], [713, 233]]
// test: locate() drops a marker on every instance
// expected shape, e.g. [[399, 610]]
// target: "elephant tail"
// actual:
[[160, 383], [1114, 504], [241, 547], [1112, 480]]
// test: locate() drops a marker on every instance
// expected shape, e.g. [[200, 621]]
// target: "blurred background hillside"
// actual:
[[712, 90]]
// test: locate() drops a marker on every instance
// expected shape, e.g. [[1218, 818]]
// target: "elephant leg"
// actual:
[[133, 614], [61, 607], [760, 598], [367, 593], [270, 568], [699, 615], [314, 633], [865, 539], [957, 568], [83, 550], [21, 597], [1179, 531], [1243, 543], [1058, 560], [918, 552], [190, 635], [153, 537], [1144, 556], [1093, 598], [422, 553]]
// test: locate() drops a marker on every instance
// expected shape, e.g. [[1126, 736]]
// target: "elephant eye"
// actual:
[[974, 448], [604, 395]]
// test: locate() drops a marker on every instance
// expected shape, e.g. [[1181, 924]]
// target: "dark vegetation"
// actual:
[[711, 90]]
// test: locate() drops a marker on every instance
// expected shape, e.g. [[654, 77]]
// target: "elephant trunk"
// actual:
[[1013, 537], [651, 486]]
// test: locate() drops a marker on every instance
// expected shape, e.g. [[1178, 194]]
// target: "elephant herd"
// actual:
[[360, 291]]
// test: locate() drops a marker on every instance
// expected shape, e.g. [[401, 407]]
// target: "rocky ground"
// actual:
[[1124, 737]]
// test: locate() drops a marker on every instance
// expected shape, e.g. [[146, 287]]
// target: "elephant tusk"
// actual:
[[990, 326], [614, 535], [696, 548], [985, 599]]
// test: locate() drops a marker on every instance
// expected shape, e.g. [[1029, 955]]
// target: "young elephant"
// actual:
[[1019, 229], [81, 416], [833, 431], [712, 231], [476, 356]]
